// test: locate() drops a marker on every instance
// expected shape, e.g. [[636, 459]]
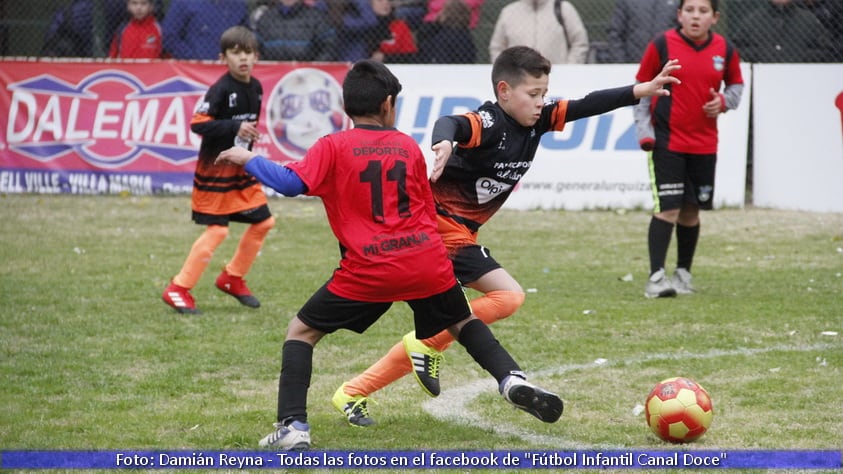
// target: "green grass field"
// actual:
[[92, 359]]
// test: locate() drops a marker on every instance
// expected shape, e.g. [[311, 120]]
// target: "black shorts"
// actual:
[[472, 262], [249, 216], [679, 178], [328, 312]]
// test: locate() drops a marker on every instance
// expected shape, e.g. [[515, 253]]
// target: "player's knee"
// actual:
[[507, 302], [216, 233], [263, 227]]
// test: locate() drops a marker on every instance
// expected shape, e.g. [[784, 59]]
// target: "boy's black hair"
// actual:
[[715, 4], [514, 63], [238, 36], [366, 86]]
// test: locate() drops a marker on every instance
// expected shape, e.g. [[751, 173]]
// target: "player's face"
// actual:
[[524, 102], [240, 62], [697, 17]]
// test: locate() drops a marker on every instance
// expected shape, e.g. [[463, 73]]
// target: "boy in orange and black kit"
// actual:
[[224, 193]]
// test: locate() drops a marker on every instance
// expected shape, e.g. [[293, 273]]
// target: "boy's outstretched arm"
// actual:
[[280, 178], [656, 85]]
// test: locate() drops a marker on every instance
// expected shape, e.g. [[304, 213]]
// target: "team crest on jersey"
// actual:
[[486, 118], [719, 63]]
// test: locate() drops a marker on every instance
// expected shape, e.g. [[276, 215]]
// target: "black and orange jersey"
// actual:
[[494, 151], [225, 189]]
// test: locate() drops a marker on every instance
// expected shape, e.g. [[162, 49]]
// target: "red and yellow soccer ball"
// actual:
[[678, 410]]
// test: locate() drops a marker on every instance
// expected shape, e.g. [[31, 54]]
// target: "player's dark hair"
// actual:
[[366, 86], [715, 4], [514, 63], [238, 36]]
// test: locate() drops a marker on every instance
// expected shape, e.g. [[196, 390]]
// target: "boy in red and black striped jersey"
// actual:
[[224, 192], [372, 180], [681, 132], [496, 145]]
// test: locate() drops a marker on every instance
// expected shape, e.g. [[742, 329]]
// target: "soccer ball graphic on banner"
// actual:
[[678, 410]]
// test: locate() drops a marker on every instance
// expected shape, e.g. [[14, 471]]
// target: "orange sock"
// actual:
[[200, 256], [248, 248], [491, 307]]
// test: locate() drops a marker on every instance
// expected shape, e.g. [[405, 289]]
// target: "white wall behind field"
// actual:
[[798, 136]]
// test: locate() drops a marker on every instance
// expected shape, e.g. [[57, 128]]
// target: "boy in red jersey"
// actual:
[[140, 37], [496, 146], [391, 251], [223, 192], [681, 132]]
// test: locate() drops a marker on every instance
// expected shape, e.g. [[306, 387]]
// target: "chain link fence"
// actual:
[[437, 31]]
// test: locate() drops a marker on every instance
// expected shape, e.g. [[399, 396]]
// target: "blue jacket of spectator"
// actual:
[[192, 28]]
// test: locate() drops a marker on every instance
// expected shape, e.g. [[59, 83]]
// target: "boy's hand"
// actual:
[[655, 87], [248, 131], [443, 151], [715, 106], [235, 155]]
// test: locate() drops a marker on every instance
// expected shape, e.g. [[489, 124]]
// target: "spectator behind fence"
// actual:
[[294, 31], [634, 23], [140, 37], [779, 31], [361, 30], [400, 45], [192, 28], [448, 39], [73, 29], [830, 14], [434, 7], [411, 11], [534, 23]]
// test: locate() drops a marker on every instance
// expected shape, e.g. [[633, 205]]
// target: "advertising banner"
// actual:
[[108, 128], [103, 127]]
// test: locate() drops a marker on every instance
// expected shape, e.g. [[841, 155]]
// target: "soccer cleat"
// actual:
[[681, 282], [354, 407], [426, 361], [236, 287], [292, 437], [180, 299], [536, 401], [658, 286]]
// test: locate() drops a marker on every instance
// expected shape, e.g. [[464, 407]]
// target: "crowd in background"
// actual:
[[426, 31]]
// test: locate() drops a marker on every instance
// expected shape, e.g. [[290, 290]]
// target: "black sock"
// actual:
[[481, 344], [686, 245], [658, 240], [296, 369]]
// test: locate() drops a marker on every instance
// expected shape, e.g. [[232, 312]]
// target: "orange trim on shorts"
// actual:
[[454, 234]]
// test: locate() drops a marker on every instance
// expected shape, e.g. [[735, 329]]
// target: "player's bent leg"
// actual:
[[388, 369], [497, 304]]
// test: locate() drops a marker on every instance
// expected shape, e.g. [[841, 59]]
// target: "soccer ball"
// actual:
[[678, 410]]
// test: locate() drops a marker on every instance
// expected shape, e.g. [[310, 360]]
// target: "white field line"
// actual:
[[453, 404]]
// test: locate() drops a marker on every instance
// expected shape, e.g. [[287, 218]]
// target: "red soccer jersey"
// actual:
[[374, 186], [679, 120]]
